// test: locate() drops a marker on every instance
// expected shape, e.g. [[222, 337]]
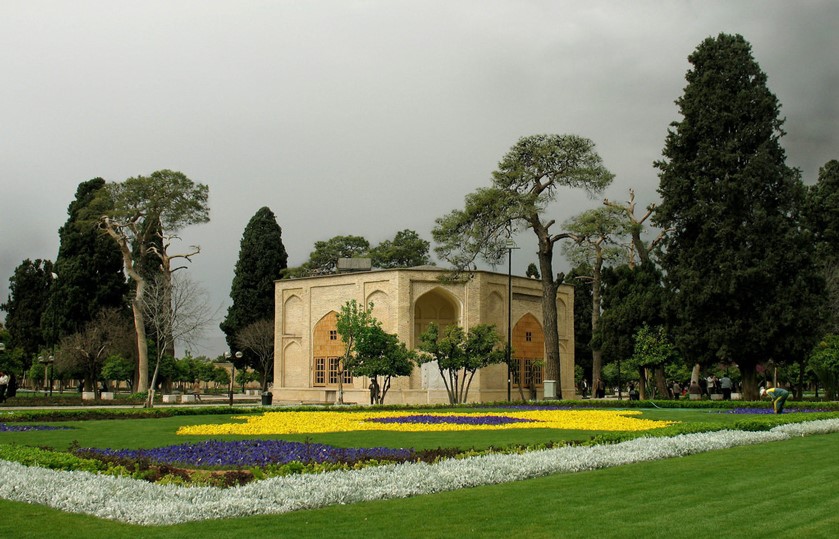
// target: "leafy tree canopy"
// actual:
[[382, 354], [824, 360], [407, 249], [324, 258], [459, 355], [525, 182]]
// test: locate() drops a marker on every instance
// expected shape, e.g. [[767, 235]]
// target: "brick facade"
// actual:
[[405, 302]]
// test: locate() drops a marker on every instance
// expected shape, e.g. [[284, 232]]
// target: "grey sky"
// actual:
[[362, 117]]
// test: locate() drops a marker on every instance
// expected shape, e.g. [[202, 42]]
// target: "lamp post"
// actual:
[[54, 276], [510, 245], [232, 373], [47, 363]]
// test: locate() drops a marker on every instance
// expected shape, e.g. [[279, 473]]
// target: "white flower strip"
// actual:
[[139, 502]]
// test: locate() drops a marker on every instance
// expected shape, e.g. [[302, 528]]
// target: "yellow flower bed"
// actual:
[[320, 422]]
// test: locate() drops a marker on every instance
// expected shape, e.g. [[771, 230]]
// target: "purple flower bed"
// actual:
[[771, 411], [454, 419], [538, 407], [17, 428], [255, 453]]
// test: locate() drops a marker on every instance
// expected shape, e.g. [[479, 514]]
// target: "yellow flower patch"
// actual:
[[321, 422]]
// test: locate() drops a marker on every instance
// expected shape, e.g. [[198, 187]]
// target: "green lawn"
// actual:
[[770, 490]]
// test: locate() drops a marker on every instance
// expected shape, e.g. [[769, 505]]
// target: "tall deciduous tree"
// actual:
[[525, 182], [597, 235], [652, 349], [353, 323], [177, 310], [407, 249], [737, 259], [147, 212], [460, 355], [379, 353], [262, 260], [89, 266], [87, 350], [633, 297], [257, 338]]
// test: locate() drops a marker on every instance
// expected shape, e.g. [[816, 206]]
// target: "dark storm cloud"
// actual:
[[362, 117]]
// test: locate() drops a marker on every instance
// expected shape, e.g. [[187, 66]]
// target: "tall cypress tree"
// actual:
[[262, 258], [88, 266], [823, 221], [737, 260], [29, 290]]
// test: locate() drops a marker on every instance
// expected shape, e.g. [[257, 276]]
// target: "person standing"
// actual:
[[725, 385], [600, 389], [778, 396], [374, 391], [4, 383], [677, 390]]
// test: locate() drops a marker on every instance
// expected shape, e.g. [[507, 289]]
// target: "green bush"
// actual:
[[44, 458]]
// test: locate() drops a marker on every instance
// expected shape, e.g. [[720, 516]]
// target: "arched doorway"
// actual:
[[436, 306], [328, 349], [528, 354]]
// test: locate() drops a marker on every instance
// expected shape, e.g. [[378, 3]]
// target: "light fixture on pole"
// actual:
[[54, 276], [227, 357], [46, 362], [510, 245]]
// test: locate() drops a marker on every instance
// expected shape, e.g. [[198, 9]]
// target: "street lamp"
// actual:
[[232, 374], [510, 245], [54, 276], [47, 363]]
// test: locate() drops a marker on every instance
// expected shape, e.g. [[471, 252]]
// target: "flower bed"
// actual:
[[17, 428], [136, 502], [322, 422], [254, 453], [772, 411]]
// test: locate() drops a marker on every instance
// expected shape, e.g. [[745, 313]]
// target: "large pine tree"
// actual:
[[262, 259], [738, 262]]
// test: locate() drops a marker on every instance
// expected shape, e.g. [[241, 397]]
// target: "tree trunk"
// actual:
[[340, 399], [694, 374], [596, 368], [661, 383], [142, 382], [596, 350], [549, 313], [642, 383], [748, 378]]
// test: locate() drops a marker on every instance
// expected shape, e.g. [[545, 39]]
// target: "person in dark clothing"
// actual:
[[374, 391]]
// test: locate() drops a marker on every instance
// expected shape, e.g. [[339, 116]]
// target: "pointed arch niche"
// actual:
[[528, 352], [327, 351], [436, 306]]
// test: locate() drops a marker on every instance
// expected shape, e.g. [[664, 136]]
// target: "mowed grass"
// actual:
[[779, 489]]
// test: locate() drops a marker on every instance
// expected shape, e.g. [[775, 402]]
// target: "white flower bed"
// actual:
[[139, 502]]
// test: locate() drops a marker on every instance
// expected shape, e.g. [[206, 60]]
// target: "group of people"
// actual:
[[704, 387]]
